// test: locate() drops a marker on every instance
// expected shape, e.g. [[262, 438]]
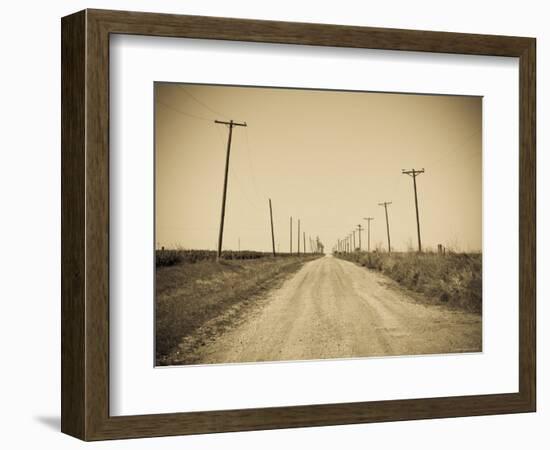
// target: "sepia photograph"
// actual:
[[296, 224]]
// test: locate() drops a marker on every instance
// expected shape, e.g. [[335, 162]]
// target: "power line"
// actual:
[[452, 151], [241, 185], [246, 192], [212, 110], [252, 175], [166, 105]]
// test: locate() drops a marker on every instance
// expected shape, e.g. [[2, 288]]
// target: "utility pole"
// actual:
[[354, 246], [272, 232], [305, 251], [368, 219], [298, 237], [385, 205], [230, 124], [359, 229], [291, 235], [414, 173]]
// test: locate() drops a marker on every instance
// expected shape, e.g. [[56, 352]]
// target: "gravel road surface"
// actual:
[[335, 309]]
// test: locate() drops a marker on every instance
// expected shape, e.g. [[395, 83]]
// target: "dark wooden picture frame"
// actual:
[[85, 224]]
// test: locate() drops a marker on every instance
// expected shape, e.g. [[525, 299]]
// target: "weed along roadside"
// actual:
[[453, 278], [197, 296]]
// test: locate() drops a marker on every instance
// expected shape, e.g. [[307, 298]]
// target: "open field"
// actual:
[[453, 278], [169, 257], [188, 295]]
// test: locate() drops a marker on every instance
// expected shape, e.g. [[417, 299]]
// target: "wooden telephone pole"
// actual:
[[298, 237], [414, 173], [230, 124], [359, 229], [291, 235], [385, 205], [272, 232], [368, 219]]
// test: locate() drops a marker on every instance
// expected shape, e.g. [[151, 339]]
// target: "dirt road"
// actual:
[[335, 309]]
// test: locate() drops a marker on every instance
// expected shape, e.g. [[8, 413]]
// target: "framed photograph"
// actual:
[[273, 225]]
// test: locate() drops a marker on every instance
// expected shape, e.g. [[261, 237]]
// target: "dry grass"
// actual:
[[170, 257], [453, 278], [188, 295]]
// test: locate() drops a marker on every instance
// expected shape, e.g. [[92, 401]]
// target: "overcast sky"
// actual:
[[324, 157]]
